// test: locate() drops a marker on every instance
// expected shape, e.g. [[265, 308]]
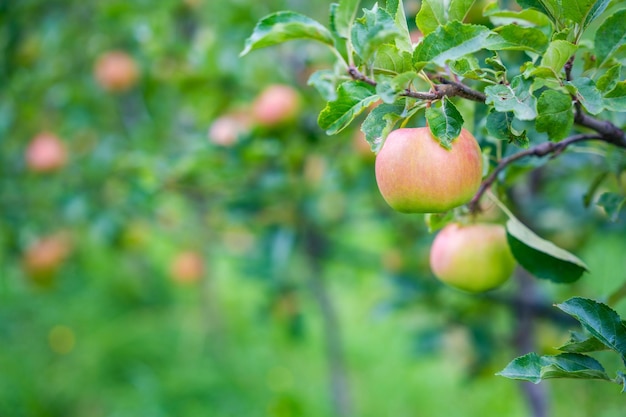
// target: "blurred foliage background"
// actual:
[[156, 271]]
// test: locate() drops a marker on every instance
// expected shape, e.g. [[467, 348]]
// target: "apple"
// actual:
[[187, 267], [416, 36], [45, 153], [226, 129], [275, 105], [45, 256], [474, 257], [415, 174], [116, 71]]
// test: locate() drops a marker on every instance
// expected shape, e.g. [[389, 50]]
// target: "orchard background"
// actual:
[[154, 264]]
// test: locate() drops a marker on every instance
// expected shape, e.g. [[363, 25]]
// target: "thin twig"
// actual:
[[447, 88], [540, 150]]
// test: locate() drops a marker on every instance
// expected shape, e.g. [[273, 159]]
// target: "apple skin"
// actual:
[[116, 71], [415, 174], [275, 105], [473, 258], [45, 153]]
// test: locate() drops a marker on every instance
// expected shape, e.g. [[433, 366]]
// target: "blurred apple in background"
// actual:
[[116, 71], [187, 267], [275, 105], [44, 257], [46, 153], [226, 129]]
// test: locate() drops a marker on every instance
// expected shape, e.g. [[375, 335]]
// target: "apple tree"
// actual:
[[534, 81]]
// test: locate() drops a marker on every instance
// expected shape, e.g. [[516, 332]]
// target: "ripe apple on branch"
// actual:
[[539, 78]]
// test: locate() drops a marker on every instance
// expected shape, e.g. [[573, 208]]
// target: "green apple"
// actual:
[[473, 258], [415, 174]]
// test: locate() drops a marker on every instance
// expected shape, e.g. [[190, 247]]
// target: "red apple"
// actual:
[[415, 174], [275, 105], [45, 256], [116, 71], [473, 257], [187, 267], [46, 153], [226, 129]]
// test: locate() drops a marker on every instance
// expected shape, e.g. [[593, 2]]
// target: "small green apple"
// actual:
[[473, 258], [415, 174]]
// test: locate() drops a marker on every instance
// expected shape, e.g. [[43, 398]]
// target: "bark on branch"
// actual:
[[543, 149]]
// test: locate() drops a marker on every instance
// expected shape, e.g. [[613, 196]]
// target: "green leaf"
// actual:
[[380, 122], [500, 126], [325, 82], [373, 30], [516, 37], [459, 9], [286, 26], [609, 79], [578, 343], [515, 97], [584, 12], [467, 67], [343, 17], [616, 98], [527, 17], [555, 115], [612, 204], [596, 10], [452, 41], [534, 4], [390, 59], [352, 98], [540, 257], [431, 15], [600, 320], [557, 54], [445, 122], [535, 368], [610, 40], [436, 221], [587, 94], [390, 89], [396, 9]]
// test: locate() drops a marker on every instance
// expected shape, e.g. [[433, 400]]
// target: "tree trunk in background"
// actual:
[[337, 373]]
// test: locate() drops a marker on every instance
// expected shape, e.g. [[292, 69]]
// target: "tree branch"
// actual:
[[606, 131], [447, 88], [540, 150]]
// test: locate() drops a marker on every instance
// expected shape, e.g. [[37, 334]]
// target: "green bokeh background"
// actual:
[[284, 219]]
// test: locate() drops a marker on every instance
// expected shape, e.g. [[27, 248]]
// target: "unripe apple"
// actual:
[[473, 257], [275, 105], [187, 267], [415, 174], [45, 153], [116, 71]]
